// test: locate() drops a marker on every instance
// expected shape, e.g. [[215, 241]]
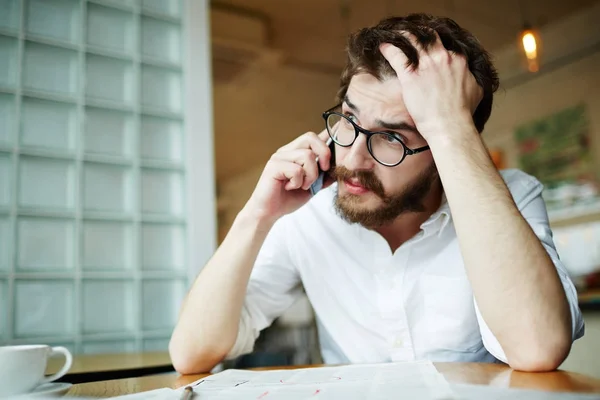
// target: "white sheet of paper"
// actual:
[[362, 381]]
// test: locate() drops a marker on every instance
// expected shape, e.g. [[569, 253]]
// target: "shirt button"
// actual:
[[398, 343]]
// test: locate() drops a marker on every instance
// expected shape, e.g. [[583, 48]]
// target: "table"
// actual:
[[473, 373], [96, 367]]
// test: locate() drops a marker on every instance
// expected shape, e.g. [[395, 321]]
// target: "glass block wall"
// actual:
[[92, 173]]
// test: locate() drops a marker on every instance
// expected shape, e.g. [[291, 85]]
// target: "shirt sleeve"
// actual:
[[273, 287], [528, 197]]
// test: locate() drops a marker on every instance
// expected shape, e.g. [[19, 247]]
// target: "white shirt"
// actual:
[[372, 305]]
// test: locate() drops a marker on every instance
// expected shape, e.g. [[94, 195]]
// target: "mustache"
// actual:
[[367, 179]]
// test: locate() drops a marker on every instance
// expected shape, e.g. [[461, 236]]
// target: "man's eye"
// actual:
[[351, 117], [392, 136]]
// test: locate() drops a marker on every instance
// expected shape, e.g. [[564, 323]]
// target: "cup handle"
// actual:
[[64, 369]]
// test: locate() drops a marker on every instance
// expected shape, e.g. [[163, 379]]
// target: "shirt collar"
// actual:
[[439, 219]]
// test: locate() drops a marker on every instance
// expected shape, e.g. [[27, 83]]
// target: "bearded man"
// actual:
[[417, 248]]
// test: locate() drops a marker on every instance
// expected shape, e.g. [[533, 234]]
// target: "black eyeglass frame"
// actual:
[[369, 134]]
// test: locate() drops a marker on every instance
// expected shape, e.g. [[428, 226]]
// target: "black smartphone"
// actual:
[[318, 184]]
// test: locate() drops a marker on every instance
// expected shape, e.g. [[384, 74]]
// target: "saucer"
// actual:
[[52, 389]]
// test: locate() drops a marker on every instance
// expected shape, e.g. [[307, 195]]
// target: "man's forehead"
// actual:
[[367, 92]]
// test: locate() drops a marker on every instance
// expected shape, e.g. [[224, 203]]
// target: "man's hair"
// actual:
[[364, 55]]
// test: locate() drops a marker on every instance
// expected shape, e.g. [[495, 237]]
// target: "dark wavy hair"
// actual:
[[364, 55]]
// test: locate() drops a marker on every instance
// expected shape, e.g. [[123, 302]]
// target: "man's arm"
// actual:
[[527, 193], [208, 323], [514, 281]]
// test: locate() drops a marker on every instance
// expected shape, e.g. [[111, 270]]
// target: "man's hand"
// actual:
[[284, 183], [440, 92]]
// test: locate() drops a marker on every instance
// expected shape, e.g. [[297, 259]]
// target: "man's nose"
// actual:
[[358, 156]]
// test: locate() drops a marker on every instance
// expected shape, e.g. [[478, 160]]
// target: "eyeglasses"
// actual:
[[385, 147]]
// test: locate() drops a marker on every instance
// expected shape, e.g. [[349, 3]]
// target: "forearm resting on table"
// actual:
[[515, 283], [210, 316]]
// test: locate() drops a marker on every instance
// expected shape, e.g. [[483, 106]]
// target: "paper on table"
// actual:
[[373, 381]]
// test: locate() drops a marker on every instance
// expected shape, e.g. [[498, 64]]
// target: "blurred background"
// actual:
[[133, 131]]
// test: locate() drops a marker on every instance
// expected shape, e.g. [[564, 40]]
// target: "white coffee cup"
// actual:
[[22, 367]]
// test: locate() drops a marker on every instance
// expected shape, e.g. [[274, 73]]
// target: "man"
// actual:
[[420, 249]]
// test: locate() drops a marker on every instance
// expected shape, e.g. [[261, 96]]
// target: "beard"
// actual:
[[409, 199]]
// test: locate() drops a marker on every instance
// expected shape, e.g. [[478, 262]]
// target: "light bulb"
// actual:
[[529, 45]]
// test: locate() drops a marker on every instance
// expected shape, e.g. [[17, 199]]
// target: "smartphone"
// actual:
[[318, 184]]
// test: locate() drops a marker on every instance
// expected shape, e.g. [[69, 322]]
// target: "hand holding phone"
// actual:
[[318, 184]]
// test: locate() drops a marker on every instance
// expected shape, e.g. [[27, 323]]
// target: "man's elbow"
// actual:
[[540, 355], [188, 359]]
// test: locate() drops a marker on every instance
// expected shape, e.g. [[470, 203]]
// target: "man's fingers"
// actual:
[[288, 171], [395, 57], [306, 159], [311, 141], [413, 40]]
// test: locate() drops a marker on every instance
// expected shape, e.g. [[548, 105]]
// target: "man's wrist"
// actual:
[[457, 123], [449, 132], [254, 219]]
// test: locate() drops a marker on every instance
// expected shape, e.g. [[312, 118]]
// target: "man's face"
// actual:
[[370, 193]]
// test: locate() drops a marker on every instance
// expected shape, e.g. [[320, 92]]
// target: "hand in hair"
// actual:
[[440, 91]]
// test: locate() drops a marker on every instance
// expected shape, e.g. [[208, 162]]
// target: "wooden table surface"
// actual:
[[110, 362], [473, 373]]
